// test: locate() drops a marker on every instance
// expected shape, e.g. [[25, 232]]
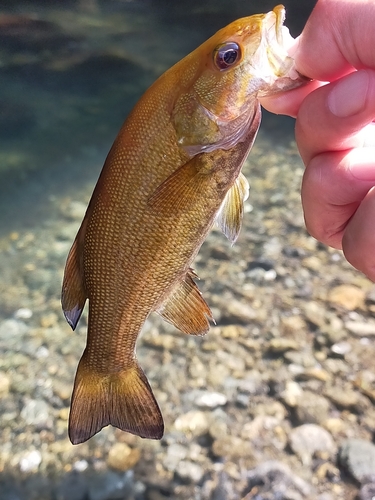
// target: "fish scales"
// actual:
[[174, 169]]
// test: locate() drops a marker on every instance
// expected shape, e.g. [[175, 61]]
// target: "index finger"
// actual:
[[332, 117]]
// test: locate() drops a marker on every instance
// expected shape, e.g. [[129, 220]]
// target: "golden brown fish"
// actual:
[[173, 170]]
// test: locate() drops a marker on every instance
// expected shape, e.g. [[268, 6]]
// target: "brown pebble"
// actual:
[[348, 296], [122, 457]]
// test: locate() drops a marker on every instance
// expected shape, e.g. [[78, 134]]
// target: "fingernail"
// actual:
[[348, 96]]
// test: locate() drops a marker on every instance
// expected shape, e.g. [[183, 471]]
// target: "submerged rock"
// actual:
[[357, 456]]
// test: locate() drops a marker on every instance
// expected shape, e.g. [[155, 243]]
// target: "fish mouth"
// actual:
[[274, 30], [279, 11], [278, 40]]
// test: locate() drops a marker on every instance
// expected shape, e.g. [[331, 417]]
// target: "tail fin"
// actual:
[[123, 399]]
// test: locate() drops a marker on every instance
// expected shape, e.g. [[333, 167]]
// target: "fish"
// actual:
[[173, 170]]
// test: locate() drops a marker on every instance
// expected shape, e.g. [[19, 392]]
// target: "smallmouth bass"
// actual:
[[173, 170]]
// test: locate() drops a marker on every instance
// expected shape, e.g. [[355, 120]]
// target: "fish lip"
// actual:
[[280, 13]]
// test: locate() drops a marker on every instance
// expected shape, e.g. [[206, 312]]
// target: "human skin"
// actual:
[[335, 132]]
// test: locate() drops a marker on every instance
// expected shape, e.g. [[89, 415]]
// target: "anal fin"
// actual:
[[186, 309], [229, 218]]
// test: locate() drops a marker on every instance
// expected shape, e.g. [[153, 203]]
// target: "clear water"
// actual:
[[70, 71]]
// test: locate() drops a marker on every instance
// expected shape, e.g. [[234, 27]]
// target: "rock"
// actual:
[[189, 472], [211, 400], [175, 453], [23, 313], [231, 447], [36, 412], [223, 488], [357, 456], [11, 332], [122, 457], [235, 311], [315, 313], [345, 398], [4, 384], [30, 461], [315, 374], [273, 480], [347, 296], [370, 296], [367, 492], [292, 325], [233, 331], [341, 348], [291, 394], [361, 328], [311, 408], [280, 345], [193, 422], [308, 440]]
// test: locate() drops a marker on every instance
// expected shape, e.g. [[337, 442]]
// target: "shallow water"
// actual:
[[70, 72]]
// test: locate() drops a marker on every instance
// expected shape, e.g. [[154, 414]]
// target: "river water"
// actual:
[[294, 341]]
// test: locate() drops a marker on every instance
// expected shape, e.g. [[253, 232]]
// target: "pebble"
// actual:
[[175, 453], [23, 313], [37, 413], [189, 472], [11, 332], [309, 440], [122, 457], [4, 384], [194, 422], [367, 492], [291, 394], [274, 479], [30, 461], [357, 456], [341, 348], [311, 408], [231, 447], [347, 296], [345, 398], [238, 312], [211, 400], [361, 329], [280, 345]]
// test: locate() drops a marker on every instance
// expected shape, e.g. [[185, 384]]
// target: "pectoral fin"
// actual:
[[186, 309], [178, 190], [73, 295], [229, 218]]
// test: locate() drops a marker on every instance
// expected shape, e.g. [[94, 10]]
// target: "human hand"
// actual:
[[334, 129]]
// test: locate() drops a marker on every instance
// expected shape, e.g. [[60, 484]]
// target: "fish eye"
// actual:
[[226, 54]]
